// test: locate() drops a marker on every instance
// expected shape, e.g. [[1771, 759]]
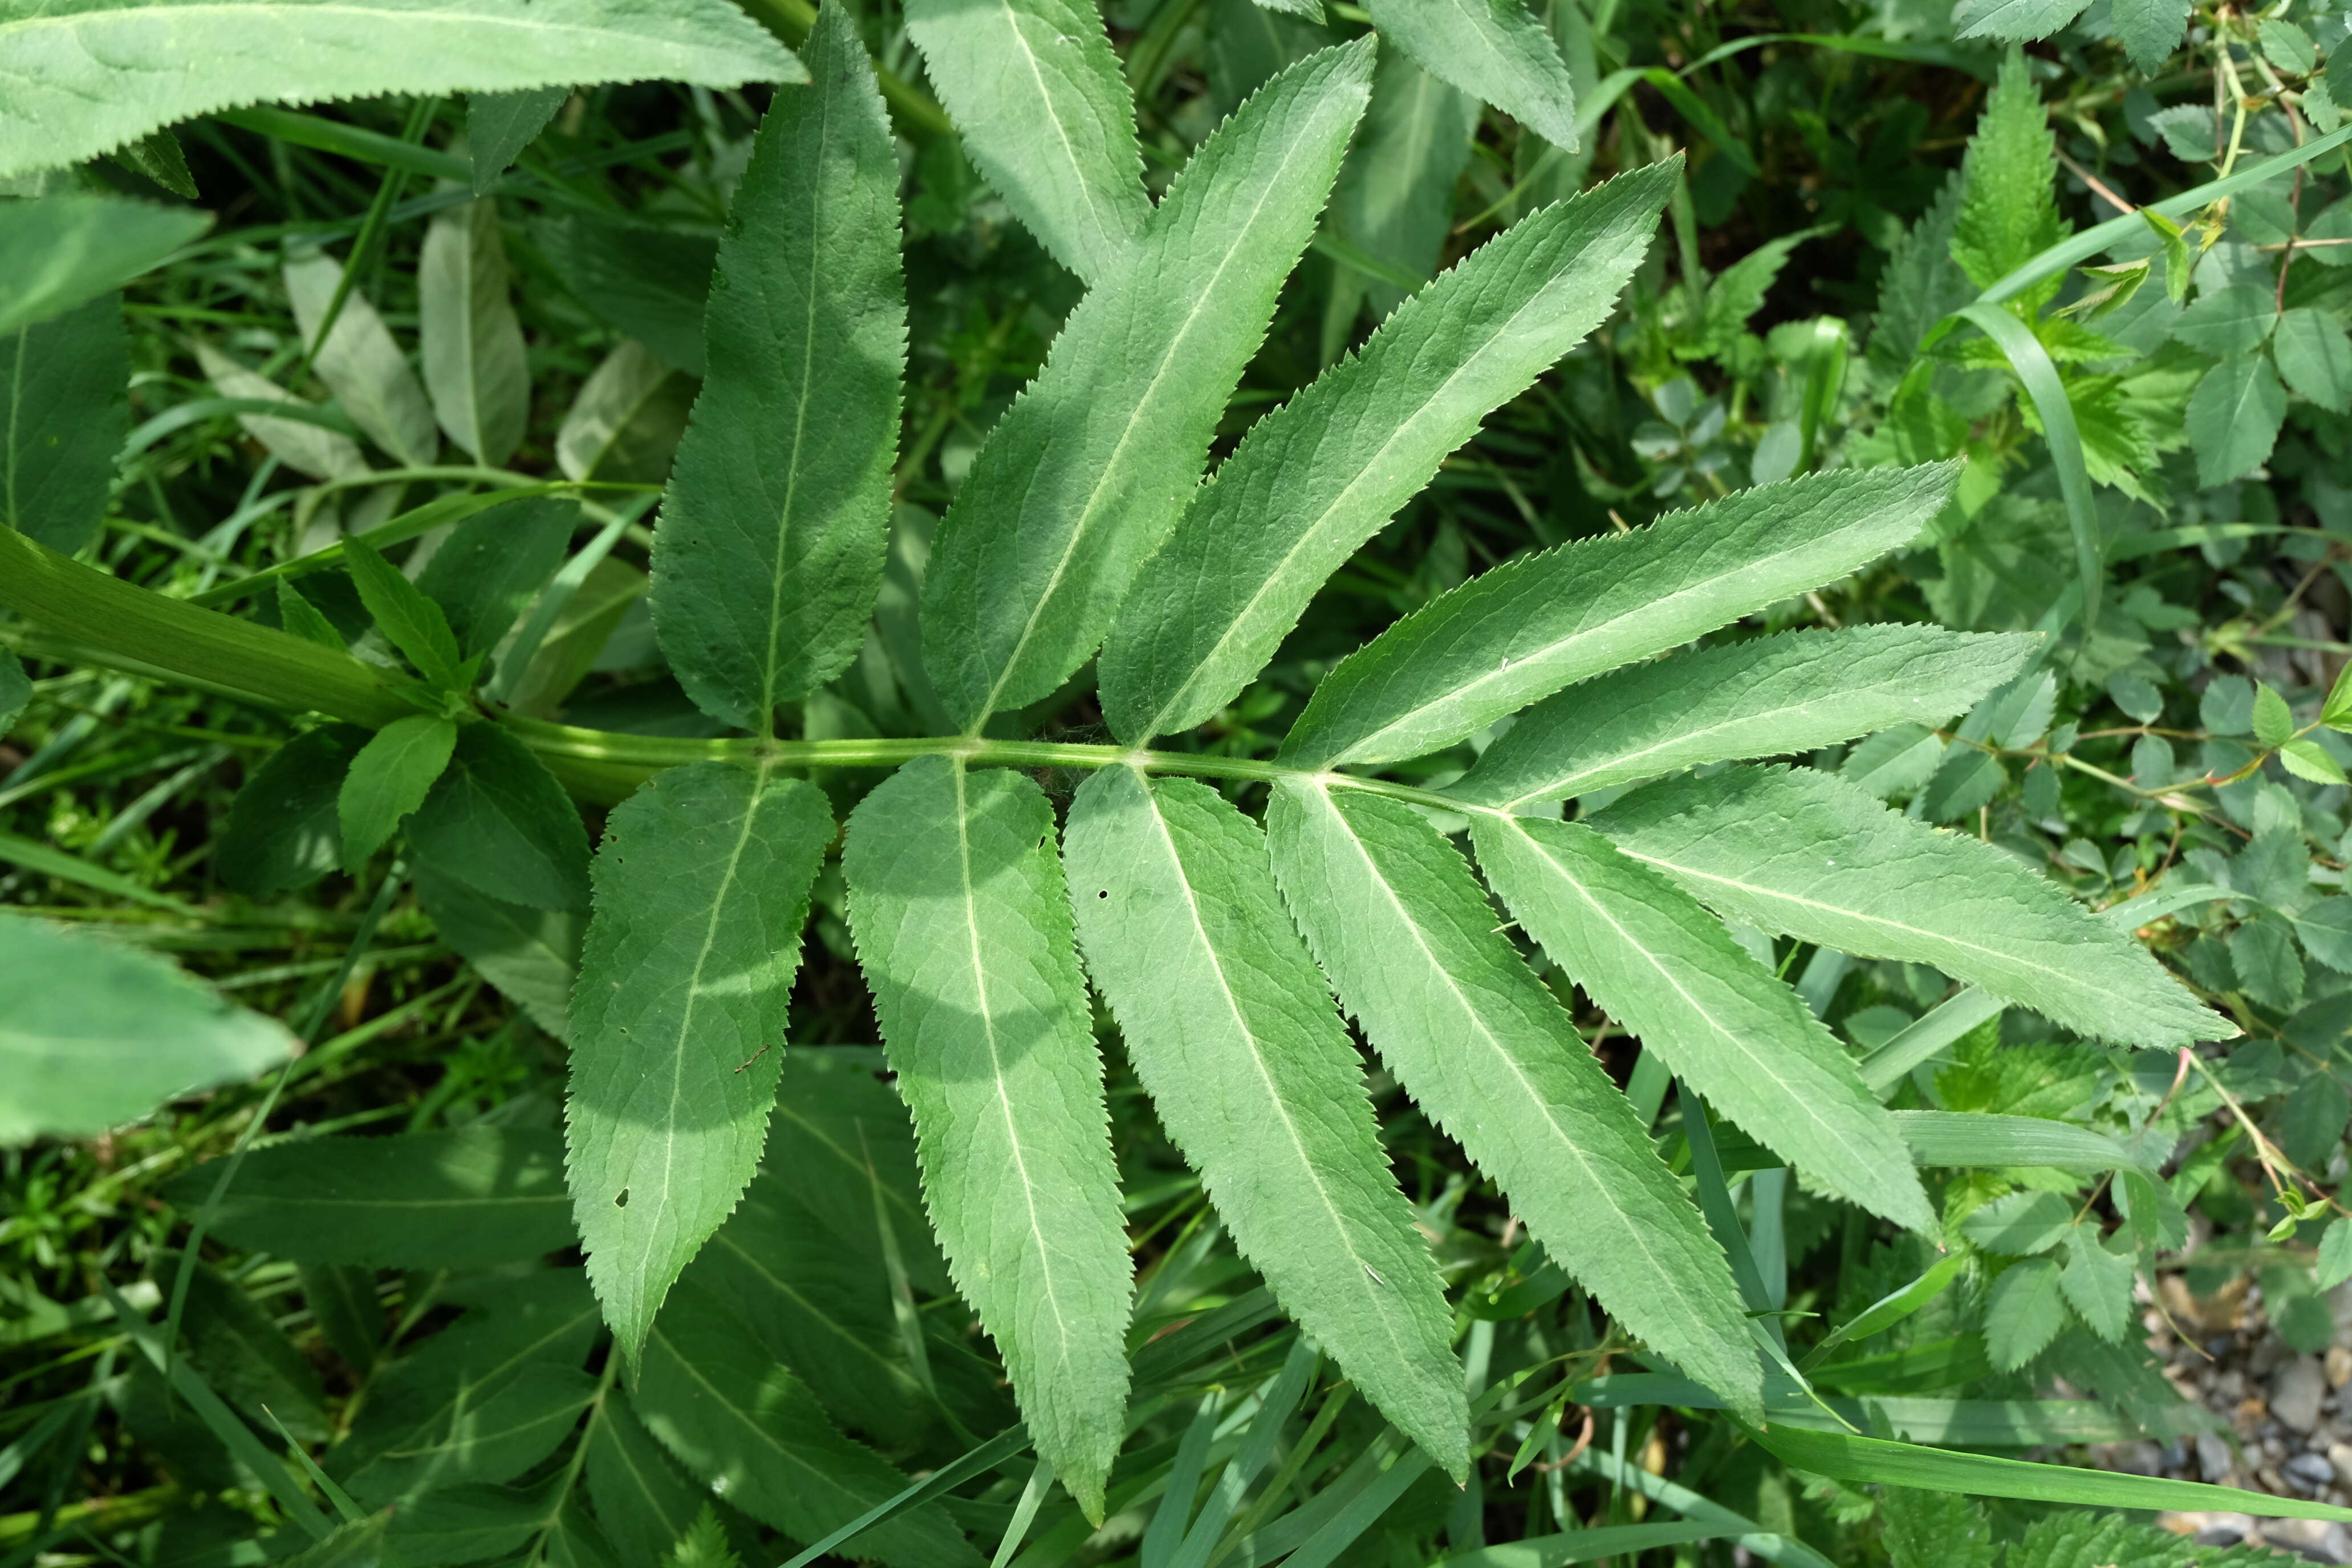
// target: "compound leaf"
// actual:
[[1492, 49], [1800, 852], [956, 902], [64, 412], [1085, 475], [1532, 626], [1234, 1034], [85, 77], [769, 555], [93, 1033], [464, 1198], [1656, 962], [1396, 919], [678, 1018], [1045, 115], [1317, 477], [1769, 697]]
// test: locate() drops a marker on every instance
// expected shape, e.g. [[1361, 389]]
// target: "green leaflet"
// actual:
[[532, 955], [63, 410], [464, 1198], [1769, 697], [1232, 1030], [650, 282], [1653, 958], [499, 125], [495, 1438], [85, 77], [2235, 417], [93, 1033], [1314, 480], [1394, 199], [56, 252], [1085, 475], [469, 1522], [421, 1401], [361, 363], [751, 1431], [472, 341], [769, 551], [1494, 50], [1532, 626], [1796, 851], [284, 829], [642, 1501], [956, 902], [1920, 286], [843, 1141], [2008, 211], [1045, 115], [500, 823], [1395, 918], [412, 622], [678, 1018], [388, 780], [487, 571]]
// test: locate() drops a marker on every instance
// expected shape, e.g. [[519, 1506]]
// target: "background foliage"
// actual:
[[2158, 477]]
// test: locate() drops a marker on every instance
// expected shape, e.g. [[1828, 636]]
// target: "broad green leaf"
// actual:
[[1317, 477], [16, 690], [464, 1198], [499, 125], [2023, 1313], [649, 282], [85, 77], [702, 884], [2235, 417], [468, 1522], [412, 622], [237, 1348], [1045, 114], [472, 341], [2335, 1254], [1772, 696], [360, 364], [1800, 852], [284, 829], [1492, 49], [963, 926], [1232, 1032], [2021, 1224], [1532, 626], [2314, 356], [2150, 30], [1920, 286], [642, 1501], [2307, 760], [844, 1142], [1396, 919], [754, 1434], [532, 956], [2097, 1283], [2226, 322], [357, 1543], [1394, 198], [769, 551], [302, 445], [625, 424], [2008, 211], [64, 410], [1085, 474], [60, 251], [425, 1400], [487, 571], [500, 823], [1656, 962], [493, 1437], [2013, 19], [2273, 720], [93, 1033], [388, 780], [1938, 1530]]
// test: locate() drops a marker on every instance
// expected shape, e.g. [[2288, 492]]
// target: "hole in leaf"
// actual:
[[621, 1200]]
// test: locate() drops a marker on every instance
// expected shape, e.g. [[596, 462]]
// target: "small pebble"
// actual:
[[2340, 1366], [2340, 1456], [2297, 1391], [2309, 1471]]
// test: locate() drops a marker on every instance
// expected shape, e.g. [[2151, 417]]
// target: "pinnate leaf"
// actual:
[[1314, 480], [1232, 1031], [1085, 474], [1395, 917], [1799, 852], [1653, 958], [963, 929], [1045, 114], [1533, 625], [86, 77], [1771, 695], [701, 888], [769, 554]]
